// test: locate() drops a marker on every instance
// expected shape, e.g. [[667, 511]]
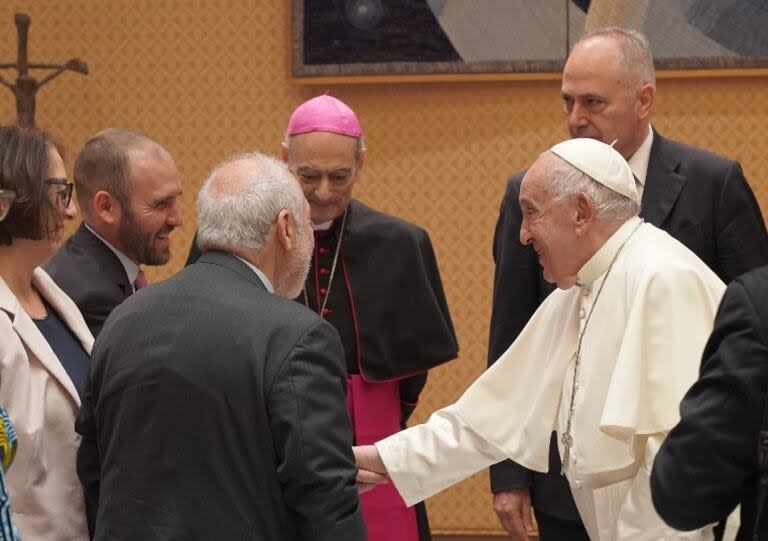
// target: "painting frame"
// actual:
[[403, 71]]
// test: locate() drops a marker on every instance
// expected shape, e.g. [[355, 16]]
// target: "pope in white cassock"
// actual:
[[605, 360]]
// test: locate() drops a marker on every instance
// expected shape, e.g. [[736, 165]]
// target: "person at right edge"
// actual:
[[701, 199]]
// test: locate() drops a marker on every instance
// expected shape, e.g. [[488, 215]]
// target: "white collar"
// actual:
[[261, 275], [323, 226], [598, 263], [130, 266], [639, 160]]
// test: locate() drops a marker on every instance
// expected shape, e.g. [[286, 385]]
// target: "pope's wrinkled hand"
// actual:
[[371, 470], [368, 480], [367, 458], [513, 507]]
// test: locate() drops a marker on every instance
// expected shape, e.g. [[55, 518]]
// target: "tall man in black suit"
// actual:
[[217, 407], [127, 186], [700, 198]]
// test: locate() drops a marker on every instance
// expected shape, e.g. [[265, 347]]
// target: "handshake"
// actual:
[[371, 471]]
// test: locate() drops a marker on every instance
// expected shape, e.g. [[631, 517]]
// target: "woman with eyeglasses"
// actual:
[[44, 342]]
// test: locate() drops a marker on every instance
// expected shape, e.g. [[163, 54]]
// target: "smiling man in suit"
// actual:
[[127, 187], [701, 199]]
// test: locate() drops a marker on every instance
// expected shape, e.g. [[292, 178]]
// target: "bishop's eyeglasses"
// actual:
[[64, 195]]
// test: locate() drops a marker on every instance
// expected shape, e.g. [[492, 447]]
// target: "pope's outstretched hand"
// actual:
[[370, 469]]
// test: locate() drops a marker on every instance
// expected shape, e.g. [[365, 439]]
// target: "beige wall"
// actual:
[[210, 78]]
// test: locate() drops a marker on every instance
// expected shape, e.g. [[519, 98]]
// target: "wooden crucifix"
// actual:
[[26, 85]]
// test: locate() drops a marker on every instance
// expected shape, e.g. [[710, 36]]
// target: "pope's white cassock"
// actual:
[[640, 354]]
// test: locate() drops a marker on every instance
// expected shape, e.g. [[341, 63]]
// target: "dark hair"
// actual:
[[102, 164], [23, 168]]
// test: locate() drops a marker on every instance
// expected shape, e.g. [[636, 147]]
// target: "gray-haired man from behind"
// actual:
[[226, 420]]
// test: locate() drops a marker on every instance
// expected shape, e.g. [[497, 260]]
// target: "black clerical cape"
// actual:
[[380, 288], [386, 291]]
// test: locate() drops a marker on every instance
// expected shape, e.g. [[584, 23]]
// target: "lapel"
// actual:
[[30, 335], [93, 246], [663, 183]]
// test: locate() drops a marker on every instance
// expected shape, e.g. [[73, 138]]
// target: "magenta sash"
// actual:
[[374, 409]]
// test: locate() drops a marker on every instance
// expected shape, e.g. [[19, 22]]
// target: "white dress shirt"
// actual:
[[130, 266], [261, 275], [639, 162]]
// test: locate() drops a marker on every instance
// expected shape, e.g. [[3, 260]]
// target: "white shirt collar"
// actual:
[[639, 160], [261, 275], [130, 266], [598, 263], [324, 226]]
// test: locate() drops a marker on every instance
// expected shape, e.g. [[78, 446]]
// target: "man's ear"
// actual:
[[284, 152], [645, 99], [361, 160], [106, 207], [285, 230], [585, 213]]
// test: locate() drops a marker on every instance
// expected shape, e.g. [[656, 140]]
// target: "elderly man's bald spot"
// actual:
[[234, 177]]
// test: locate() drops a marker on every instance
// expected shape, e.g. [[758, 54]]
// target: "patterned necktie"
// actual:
[[140, 281]]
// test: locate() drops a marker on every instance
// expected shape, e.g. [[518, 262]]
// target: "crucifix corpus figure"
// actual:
[[26, 86]]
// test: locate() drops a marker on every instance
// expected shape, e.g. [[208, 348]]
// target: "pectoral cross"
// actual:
[[26, 85]]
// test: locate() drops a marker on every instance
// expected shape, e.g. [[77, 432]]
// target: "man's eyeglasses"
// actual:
[[6, 200], [65, 195]]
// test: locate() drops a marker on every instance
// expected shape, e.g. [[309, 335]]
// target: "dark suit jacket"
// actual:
[[381, 254], [709, 460], [217, 410], [92, 275], [701, 199]]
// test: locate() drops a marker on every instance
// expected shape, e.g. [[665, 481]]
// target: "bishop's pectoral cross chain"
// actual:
[[321, 308]]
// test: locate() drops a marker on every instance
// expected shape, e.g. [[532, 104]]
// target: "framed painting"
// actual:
[[363, 38]]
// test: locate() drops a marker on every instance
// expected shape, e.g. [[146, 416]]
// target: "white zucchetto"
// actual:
[[600, 162]]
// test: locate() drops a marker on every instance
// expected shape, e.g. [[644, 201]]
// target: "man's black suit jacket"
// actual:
[[708, 463], [92, 275], [217, 410], [701, 199]]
